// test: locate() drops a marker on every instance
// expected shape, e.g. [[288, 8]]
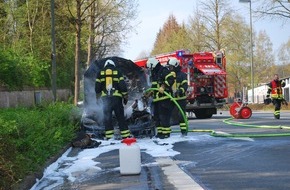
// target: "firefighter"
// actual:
[[162, 79], [275, 92], [113, 91], [180, 93], [153, 67]]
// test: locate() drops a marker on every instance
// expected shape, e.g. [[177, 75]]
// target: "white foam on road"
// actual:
[[77, 168]]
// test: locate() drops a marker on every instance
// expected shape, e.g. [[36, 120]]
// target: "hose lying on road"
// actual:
[[244, 135], [228, 121]]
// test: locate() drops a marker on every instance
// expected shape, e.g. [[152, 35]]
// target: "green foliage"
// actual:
[[9, 68], [165, 40], [26, 45], [30, 71], [32, 136], [37, 71]]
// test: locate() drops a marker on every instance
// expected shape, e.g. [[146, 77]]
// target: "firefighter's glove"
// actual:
[[284, 102], [161, 89], [148, 94], [267, 101], [180, 93], [125, 99], [268, 96]]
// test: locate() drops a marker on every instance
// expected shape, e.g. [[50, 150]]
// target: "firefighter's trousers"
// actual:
[[182, 124], [277, 104], [155, 111], [114, 104], [165, 110]]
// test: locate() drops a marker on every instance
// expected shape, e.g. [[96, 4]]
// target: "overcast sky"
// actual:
[[153, 14]]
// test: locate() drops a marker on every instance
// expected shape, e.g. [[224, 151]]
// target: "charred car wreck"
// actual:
[[137, 110]]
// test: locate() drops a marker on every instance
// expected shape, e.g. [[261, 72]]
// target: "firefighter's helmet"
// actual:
[[173, 62], [109, 62], [152, 63]]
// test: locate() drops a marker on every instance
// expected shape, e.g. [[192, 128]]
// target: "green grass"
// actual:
[[30, 136]]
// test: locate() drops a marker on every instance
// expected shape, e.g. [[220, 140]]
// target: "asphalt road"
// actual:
[[211, 163]]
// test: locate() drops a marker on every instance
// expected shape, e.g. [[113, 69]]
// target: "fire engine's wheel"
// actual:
[[246, 113], [234, 109], [202, 114]]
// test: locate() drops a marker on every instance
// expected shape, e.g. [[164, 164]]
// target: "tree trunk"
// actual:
[[91, 35], [77, 53]]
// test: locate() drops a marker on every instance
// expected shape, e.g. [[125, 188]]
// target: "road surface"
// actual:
[[198, 161]]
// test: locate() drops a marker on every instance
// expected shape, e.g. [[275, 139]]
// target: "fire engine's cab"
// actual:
[[206, 75]]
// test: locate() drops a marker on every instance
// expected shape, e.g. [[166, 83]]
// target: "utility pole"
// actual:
[[252, 46], [53, 80]]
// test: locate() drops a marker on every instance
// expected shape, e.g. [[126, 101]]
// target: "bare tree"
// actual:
[[196, 30], [214, 16], [264, 62], [284, 59], [274, 9], [111, 24], [107, 21]]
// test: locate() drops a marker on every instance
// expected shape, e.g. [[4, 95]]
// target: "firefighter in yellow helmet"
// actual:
[[111, 86], [180, 91], [276, 93]]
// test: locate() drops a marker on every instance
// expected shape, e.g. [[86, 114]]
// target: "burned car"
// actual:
[[137, 111]]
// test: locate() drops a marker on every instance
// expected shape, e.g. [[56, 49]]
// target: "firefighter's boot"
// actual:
[[159, 133], [166, 132], [277, 114], [159, 136], [183, 133], [183, 129], [165, 136]]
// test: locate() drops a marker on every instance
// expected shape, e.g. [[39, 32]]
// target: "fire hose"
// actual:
[[176, 103], [227, 121]]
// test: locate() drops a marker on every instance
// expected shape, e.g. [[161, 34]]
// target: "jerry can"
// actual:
[[130, 157]]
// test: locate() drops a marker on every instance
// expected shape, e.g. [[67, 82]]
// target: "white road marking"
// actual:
[[176, 176]]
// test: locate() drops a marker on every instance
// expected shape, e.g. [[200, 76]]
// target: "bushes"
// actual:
[[30, 136]]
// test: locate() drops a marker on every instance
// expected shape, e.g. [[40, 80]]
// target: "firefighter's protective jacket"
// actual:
[[110, 82], [181, 83], [275, 89], [164, 78]]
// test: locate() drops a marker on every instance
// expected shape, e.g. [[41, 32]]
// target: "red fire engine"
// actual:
[[206, 74]]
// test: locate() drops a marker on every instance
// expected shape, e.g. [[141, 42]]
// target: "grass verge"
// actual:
[[30, 136]]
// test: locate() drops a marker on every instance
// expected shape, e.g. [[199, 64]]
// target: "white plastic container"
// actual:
[[130, 157]]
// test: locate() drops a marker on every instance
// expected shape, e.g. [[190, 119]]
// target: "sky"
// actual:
[[153, 14], [72, 168]]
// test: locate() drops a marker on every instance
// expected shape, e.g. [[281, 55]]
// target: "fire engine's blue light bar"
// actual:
[[180, 53]]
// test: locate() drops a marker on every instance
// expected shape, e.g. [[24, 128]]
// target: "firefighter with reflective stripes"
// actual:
[[276, 93], [153, 67], [163, 79], [180, 93], [112, 88]]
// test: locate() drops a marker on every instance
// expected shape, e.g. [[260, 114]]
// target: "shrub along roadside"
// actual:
[[30, 136]]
